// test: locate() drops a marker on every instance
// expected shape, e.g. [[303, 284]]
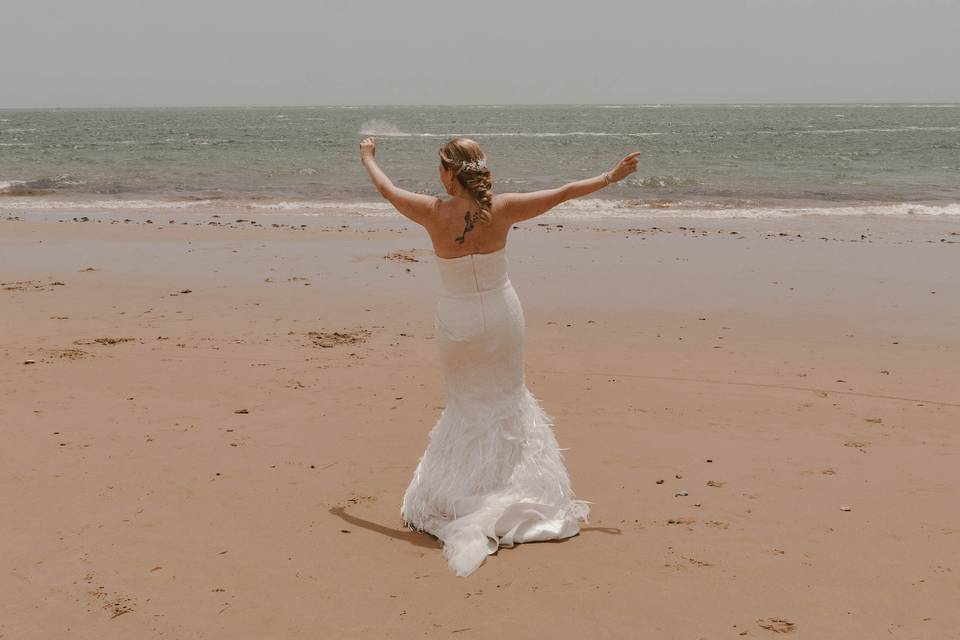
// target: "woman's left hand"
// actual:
[[625, 167], [368, 148]]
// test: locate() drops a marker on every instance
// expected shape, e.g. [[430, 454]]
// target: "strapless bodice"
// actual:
[[473, 273]]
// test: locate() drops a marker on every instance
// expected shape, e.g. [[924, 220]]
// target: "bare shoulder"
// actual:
[[502, 204], [500, 200]]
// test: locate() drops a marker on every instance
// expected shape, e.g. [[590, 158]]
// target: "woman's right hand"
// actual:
[[625, 167], [368, 148]]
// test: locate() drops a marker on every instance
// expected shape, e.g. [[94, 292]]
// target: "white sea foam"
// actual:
[[842, 105], [624, 106], [560, 134], [308, 205], [378, 127], [865, 130], [387, 129], [38, 184], [44, 204], [588, 208], [582, 209], [901, 106]]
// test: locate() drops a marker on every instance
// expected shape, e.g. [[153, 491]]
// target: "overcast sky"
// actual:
[[320, 52]]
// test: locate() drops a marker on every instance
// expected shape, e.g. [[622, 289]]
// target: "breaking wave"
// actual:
[[37, 186], [389, 130], [584, 209]]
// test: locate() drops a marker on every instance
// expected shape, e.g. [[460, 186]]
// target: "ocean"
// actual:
[[711, 161]]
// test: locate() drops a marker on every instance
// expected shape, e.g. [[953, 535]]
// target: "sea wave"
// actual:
[[831, 105], [36, 186], [861, 130], [671, 182], [45, 204], [385, 129], [381, 128], [587, 208], [581, 209], [905, 106], [312, 205], [563, 134]]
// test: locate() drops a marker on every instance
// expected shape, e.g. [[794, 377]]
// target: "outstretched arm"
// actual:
[[523, 206], [416, 206]]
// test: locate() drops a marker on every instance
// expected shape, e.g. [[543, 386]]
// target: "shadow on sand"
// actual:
[[426, 540]]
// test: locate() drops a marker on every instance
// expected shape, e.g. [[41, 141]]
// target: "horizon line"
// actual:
[[492, 104]]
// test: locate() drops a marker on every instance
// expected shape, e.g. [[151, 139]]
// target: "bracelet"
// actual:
[[607, 178]]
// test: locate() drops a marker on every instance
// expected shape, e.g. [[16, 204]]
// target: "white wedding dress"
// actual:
[[492, 474]]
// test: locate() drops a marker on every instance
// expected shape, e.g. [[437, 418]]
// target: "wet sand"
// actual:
[[218, 421]]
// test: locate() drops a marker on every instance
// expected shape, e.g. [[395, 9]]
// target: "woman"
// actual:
[[492, 474]]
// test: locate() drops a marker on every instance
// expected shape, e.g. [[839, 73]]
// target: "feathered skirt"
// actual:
[[492, 474]]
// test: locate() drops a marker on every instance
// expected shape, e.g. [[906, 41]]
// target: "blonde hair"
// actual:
[[468, 162]]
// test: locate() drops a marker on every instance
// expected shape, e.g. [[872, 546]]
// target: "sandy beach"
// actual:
[[208, 425]]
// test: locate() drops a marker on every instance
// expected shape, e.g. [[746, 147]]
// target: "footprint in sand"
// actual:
[[70, 354], [777, 625], [403, 255], [327, 339], [107, 341], [24, 285], [698, 563], [859, 446], [116, 603]]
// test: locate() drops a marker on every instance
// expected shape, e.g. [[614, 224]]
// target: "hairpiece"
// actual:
[[473, 165]]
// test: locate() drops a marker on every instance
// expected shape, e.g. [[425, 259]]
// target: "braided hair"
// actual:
[[469, 164]]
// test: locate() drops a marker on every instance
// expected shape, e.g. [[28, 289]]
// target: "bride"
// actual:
[[492, 474]]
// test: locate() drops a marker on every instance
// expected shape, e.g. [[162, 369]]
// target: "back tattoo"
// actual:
[[468, 220]]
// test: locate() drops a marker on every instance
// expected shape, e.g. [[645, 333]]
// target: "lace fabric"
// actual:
[[492, 474]]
